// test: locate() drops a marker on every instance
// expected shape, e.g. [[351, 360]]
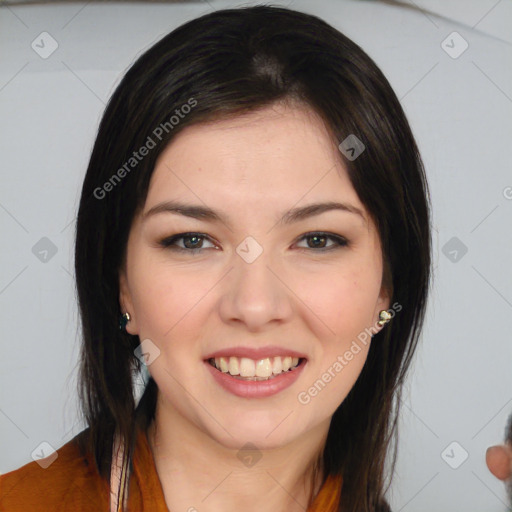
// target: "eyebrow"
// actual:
[[205, 213]]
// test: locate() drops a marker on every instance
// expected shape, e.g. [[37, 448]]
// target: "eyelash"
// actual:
[[169, 243]]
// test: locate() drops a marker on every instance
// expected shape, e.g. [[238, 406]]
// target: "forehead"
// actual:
[[278, 155]]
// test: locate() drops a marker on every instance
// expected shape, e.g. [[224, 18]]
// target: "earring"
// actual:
[[123, 320], [384, 317]]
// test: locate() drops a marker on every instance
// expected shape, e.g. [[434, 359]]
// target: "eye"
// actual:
[[319, 238], [193, 242]]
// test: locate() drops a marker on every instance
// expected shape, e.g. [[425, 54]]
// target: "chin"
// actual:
[[262, 435]]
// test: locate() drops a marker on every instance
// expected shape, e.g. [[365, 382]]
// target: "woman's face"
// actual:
[[256, 291]]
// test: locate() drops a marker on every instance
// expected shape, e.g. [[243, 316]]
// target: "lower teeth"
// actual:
[[254, 378]]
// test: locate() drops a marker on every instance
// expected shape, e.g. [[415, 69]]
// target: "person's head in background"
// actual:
[[220, 68], [499, 460]]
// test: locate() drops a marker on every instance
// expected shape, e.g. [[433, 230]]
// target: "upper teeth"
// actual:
[[255, 368]]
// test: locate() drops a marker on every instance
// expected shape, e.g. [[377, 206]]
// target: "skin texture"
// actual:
[[251, 168]]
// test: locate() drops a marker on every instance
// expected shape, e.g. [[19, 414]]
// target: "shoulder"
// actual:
[[64, 480]]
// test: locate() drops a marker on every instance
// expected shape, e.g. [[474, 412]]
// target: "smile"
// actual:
[[243, 368]]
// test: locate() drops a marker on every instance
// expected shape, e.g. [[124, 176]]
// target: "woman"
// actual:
[[256, 212]]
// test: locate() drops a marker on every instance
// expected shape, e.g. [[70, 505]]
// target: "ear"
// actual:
[[499, 461], [126, 303]]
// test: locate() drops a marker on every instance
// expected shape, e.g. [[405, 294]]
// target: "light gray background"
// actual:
[[461, 113]]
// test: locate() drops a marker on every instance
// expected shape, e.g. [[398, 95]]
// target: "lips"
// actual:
[[255, 387], [255, 372]]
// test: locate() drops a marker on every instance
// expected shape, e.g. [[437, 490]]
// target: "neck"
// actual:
[[197, 471]]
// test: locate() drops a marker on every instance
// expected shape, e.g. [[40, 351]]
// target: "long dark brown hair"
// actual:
[[227, 63]]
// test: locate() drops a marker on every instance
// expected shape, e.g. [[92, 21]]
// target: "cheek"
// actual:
[[344, 300], [166, 298]]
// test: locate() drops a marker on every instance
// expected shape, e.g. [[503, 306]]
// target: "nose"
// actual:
[[255, 294]]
